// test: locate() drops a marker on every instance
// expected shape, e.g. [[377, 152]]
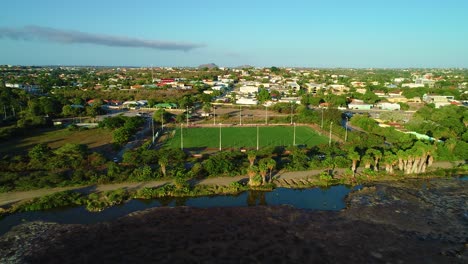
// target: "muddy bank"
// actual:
[[413, 221]]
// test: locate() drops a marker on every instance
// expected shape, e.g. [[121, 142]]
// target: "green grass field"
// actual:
[[237, 137], [55, 138]]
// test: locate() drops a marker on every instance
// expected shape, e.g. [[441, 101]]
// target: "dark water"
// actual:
[[331, 198]]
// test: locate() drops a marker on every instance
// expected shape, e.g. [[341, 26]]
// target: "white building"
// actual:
[[247, 89], [218, 87], [412, 85], [293, 85], [389, 106], [247, 101]]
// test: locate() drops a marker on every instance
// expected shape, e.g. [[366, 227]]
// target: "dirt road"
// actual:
[[12, 197]]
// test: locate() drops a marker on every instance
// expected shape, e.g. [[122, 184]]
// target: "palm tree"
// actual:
[[401, 155], [252, 171], [377, 155], [163, 160], [263, 169], [389, 159], [355, 157], [367, 160], [251, 156], [271, 163]]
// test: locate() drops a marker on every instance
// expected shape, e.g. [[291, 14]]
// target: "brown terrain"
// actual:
[[414, 221]]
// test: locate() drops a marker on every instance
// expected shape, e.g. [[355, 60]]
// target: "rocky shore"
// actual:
[[413, 221]]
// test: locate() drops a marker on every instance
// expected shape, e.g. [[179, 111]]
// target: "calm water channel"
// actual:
[[331, 198]]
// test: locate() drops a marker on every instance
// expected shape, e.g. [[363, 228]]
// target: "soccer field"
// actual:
[[238, 137]]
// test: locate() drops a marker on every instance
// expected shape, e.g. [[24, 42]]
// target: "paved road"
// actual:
[[137, 139]]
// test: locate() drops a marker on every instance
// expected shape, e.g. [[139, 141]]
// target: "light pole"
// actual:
[[181, 137], [186, 115], [152, 129], [321, 126], [329, 142], [292, 113], [346, 130], [240, 115], [214, 115], [294, 136], [219, 136], [257, 137]]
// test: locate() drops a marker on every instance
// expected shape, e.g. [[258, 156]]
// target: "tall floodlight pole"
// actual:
[[346, 130], [257, 137], [329, 141], [219, 136], [240, 115], [181, 137], [152, 129], [291, 113], [294, 135], [321, 125], [186, 115]]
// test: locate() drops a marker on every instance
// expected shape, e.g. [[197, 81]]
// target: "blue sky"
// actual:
[[320, 33]]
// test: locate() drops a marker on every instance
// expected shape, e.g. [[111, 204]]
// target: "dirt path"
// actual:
[[12, 197]]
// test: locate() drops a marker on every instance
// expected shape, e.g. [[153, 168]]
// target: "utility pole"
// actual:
[[291, 113], [321, 126], [329, 141], [186, 115], [181, 137], [257, 137], [152, 129], [346, 130], [240, 115], [294, 135], [219, 136]]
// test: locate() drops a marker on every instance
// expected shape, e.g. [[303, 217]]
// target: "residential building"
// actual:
[[247, 101], [359, 105], [389, 106], [247, 89]]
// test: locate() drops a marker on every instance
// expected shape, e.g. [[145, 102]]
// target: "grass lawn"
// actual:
[[237, 137], [96, 139]]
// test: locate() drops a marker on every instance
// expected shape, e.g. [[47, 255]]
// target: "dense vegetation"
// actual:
[[67, 93]]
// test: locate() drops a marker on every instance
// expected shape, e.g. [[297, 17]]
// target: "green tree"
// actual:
[[121, 136], [251, 156], [263, 95], [40, 152]]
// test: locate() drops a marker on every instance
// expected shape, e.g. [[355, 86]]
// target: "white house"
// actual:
[[359, 105], [218, 87], [247, 89], [247, 101], [293, 85], [412, 85], [389, 106]]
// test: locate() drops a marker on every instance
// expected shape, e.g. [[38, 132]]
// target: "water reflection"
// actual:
[[330, 198]]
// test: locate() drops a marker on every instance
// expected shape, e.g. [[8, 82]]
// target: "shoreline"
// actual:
[[97, 199], [420, 225]]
